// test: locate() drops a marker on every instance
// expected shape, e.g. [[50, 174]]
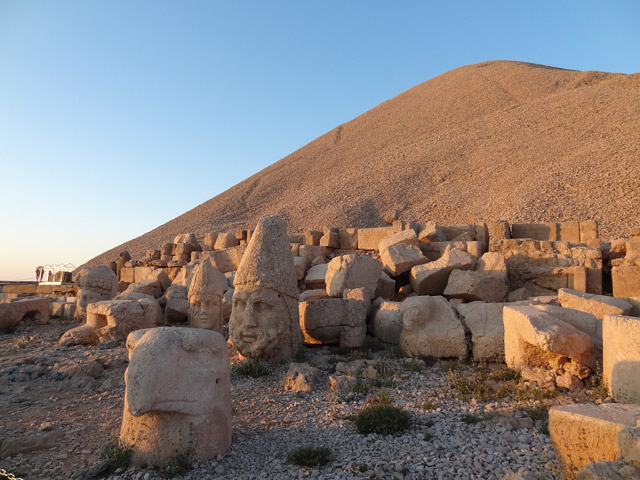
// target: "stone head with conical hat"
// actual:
[[264, 318], [205, 299]]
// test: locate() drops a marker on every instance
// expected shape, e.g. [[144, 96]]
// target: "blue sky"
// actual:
[[117, 116]]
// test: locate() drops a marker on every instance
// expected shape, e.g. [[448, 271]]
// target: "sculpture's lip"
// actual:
[[248, 337], [163, 406]]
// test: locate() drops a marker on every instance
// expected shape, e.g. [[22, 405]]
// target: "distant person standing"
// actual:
[[50, 276], [39, 272]]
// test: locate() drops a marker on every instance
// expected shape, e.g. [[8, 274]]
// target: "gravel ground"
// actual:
[[72, 398]]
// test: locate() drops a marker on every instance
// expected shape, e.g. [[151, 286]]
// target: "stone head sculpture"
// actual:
[[178, 395], [264, 317], [94, 284], [205, 299]]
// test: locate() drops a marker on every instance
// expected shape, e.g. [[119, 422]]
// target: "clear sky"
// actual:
[[117, 116]]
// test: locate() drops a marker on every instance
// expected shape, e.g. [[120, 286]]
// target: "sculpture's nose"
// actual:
[[141, 391]]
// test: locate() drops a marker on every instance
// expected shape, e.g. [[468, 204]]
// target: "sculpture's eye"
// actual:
[[203, 358], [260, 307], [239, 304]]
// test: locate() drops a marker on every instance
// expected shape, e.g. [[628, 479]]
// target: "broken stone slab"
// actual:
[[431, 328], [494, 263], [226, 260], [31, 443], [148, 287], [629, 445], [459, 233], [314, 294], [334, 321], [330, 238], [621, 357], [626, 281], [225, 240], [369, 238], [386, 287], [316, 275], [484, 321], [177, 307], [586, 433], [352, 271], [300, 265], [431, 232], [431, 278], [311, 252], [617, 470], [301, 377], [386, 323], [401, 257], [348, 238], [597, 305], [17, 310], [471, 285], [534, 337], [529, 291]]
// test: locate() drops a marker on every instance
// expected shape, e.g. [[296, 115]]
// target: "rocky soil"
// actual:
[[60, 405], [494, 140]]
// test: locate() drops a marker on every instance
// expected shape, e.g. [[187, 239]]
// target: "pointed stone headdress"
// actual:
[[268, 262], [205, 281]]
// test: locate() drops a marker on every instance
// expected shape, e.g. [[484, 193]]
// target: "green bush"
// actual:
[[383, 419], [116, 454], [251, 368], [310, 457]]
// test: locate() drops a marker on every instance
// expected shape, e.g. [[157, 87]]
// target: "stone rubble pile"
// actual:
[[530, 295]]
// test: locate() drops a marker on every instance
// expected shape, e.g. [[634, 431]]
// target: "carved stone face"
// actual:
[[176, 370], [205, 311], [260, 322]]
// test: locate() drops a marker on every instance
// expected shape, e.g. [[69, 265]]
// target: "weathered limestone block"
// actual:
[[386, 287], [14, 312], [431, 232], [494, 263], [312, 252], [226, 260], [330, 238], [352, 271], [225, 240], [149, 287], [431, 278], [431, 328], [534, 336], [210, 240], [314, 294], [115, 319], [186, 238], [586, 433], [400, 252], [500, 230], [301, 377], [334, 321], [535, 231], [127, 274], [621, 357], [617, 470], [312, 237], [471, 285], [316, 276], [626, 281], [386, 323], [597, 305], [369, 238], [177, 308], [348, 238], [94, 284], [527, 292], [178, 395], [629, 445], [459, 233], [484, 321], [300, 264], [264, 320], [184, 249], [361, 295], [435, 250], [588, 231]]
